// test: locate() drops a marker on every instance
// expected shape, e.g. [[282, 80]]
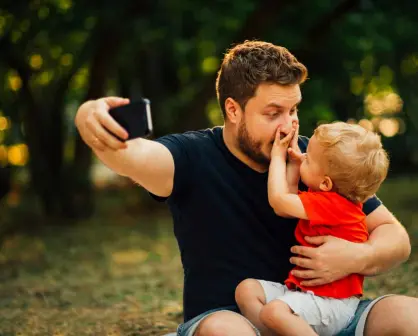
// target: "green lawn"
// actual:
[[120, 273]]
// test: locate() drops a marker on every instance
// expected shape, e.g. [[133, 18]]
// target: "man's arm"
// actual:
[[146, 162], [388, 244], [335, 258]]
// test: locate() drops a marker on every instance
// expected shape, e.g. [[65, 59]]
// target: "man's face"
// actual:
[[271, 107]]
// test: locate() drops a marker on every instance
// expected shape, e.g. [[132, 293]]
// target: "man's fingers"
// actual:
[[104, 137], [110, 124], [304, 274], [108, 139], [305, 251], [314, 282], [302, 262], [97, 144], [115, 101], [317, 240]]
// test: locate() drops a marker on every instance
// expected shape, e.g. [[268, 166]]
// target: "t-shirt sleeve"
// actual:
[[371, 205], [327, 208], [181, 147]]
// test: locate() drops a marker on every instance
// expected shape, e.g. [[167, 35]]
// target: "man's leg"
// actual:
[[393, 315], [225, 323]]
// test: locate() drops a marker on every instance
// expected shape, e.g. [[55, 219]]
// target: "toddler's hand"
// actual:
[[295, 155], [280, 146]]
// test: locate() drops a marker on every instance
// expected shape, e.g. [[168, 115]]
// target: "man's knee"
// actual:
[[394, 315], [249, 289], [224, 323]]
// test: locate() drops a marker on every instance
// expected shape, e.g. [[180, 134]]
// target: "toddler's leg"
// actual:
[[250, 298], [278, 316]]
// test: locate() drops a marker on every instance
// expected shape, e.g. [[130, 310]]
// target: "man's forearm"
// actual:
[[146, 162], [387, 247], [120, 161]]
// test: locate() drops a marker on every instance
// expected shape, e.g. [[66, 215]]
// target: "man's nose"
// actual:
[[287, 126], [286, 122]]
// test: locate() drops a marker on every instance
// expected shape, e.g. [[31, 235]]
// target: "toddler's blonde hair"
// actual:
[[353, 158]]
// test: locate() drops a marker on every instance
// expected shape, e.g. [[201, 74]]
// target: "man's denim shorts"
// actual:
[[355, 328]]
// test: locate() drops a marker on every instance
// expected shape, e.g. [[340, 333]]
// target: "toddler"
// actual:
[[343, 166]]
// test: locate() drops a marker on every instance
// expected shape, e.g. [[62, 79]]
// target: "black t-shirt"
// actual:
[[224, 225]]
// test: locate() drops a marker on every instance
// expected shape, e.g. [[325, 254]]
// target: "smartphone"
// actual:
[[135, 118]]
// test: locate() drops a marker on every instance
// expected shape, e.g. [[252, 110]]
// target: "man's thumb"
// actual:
[[318, 240], [115, 101]]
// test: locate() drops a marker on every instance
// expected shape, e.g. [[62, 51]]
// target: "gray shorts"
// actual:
[[327, 316], [355, 328]]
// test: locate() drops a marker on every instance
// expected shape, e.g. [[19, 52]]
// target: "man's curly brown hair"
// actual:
[[249, 64]]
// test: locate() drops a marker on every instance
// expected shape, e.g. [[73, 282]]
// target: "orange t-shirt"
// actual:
[[331, 214]]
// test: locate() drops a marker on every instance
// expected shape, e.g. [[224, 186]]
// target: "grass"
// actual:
[[120, 272]]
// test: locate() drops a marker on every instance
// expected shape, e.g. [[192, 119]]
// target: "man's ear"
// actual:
[[326, 184], [233, 111]]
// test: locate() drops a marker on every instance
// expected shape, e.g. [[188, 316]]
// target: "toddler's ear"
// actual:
[[326, 184]]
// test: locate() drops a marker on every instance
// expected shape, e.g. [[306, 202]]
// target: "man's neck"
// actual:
[[231, 143]]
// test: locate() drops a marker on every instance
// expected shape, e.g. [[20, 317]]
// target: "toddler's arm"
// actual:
[[281, 196]]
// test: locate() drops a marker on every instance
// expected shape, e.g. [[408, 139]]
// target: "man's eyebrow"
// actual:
[[275, 105], [280, 106]]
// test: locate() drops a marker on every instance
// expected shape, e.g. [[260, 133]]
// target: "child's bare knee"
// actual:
[[274, 311], [248, 289]]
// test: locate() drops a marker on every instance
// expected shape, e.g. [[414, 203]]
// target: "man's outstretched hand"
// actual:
[[333, 259], [94, 123]]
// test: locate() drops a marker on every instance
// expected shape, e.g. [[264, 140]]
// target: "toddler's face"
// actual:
[[311, 169]]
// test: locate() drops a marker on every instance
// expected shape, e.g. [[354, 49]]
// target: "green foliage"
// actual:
[[57, 54]]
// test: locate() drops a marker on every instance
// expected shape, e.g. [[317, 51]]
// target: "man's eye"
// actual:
[[293, 111]]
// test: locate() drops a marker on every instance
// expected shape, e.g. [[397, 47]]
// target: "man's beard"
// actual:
[[250, 147]]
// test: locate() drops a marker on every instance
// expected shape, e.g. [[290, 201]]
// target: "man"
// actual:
[[215, 183]]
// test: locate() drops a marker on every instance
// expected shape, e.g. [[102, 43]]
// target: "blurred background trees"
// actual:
[[362, 58]]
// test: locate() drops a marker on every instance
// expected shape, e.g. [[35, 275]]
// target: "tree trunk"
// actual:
[[81, 202]]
